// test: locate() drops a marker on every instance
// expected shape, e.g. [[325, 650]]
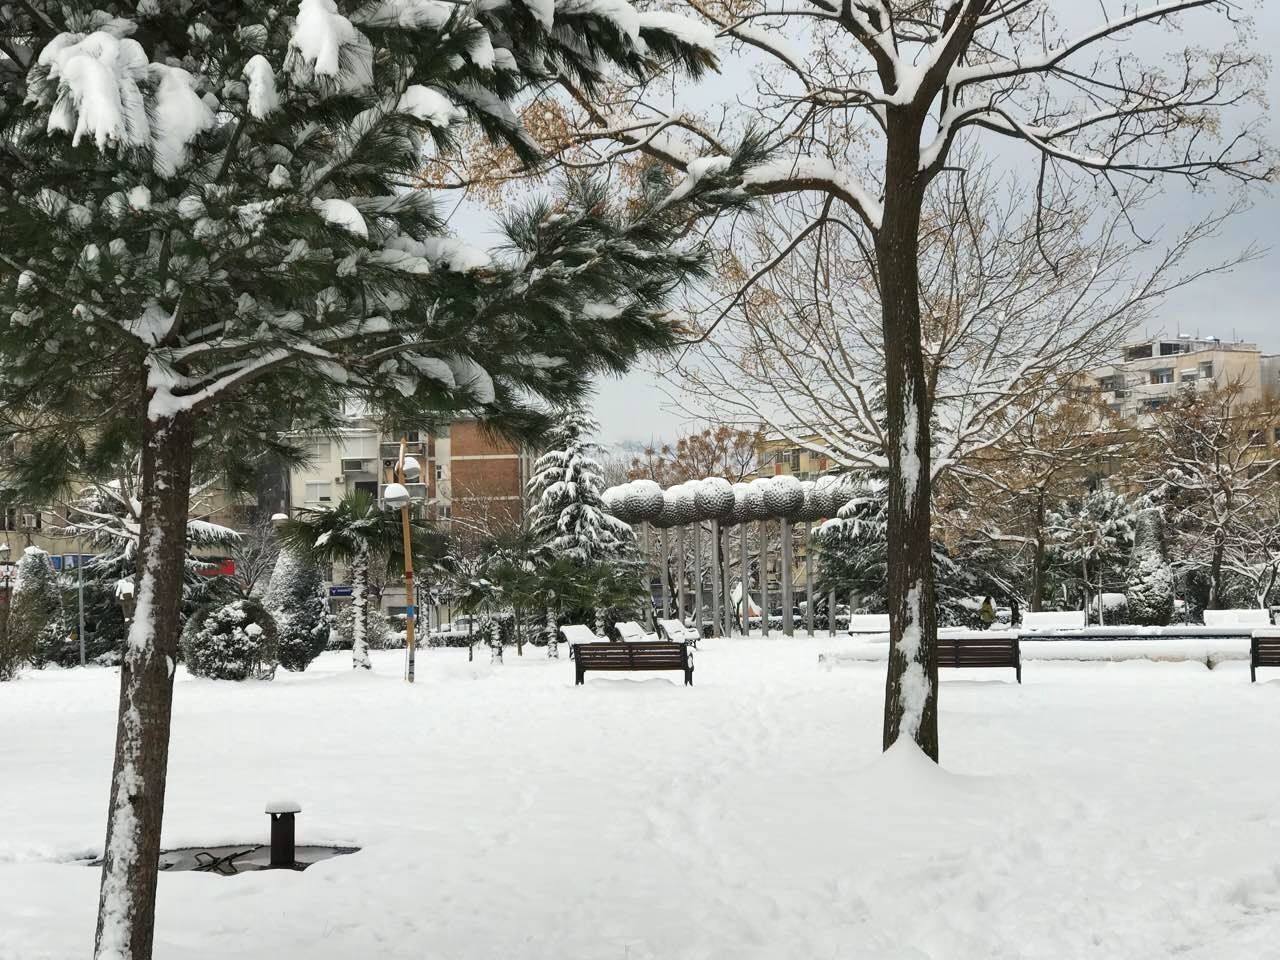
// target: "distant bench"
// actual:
[[1264, 650], [994, 648], [631, 657]]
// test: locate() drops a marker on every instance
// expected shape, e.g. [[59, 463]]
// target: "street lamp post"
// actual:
[[397, 495], [4, 562]]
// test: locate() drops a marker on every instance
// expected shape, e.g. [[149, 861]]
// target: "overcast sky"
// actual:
[[1239, 305]]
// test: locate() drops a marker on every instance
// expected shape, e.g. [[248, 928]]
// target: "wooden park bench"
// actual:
[[995, 648], [633, 656], [1264, 651]]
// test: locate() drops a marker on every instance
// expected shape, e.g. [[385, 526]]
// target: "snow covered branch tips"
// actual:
[[210, 214]]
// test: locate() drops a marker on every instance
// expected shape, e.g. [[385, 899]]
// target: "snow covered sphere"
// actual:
[[644, 500], [753, 505], [836, 491], [679, 506], [783, 496], [739, 513], [616, 504], [715, 498], [813, 503]]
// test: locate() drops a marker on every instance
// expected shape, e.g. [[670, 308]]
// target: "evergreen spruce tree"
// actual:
[[1150, 588], [568, 518], [35, 616], [587, 559], [297, 598], [853, 548], [210, 226], [1092, 537]]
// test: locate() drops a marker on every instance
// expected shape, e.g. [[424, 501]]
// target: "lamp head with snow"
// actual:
[[395, 496], [412, 469]]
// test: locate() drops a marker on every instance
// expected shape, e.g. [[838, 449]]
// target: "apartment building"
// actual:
[[474, 480], [1152, 370]]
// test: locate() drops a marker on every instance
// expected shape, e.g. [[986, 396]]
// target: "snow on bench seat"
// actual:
[[1208, 650], [869, 623], [1054, 620], [1237, 618]]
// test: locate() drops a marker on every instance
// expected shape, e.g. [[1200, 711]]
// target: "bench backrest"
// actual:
[[576, 633], [1237, 618], [869, 623], [1265, 648], [1055, 620], [630, 630], [633, 656], [978, 650], [676, 631]]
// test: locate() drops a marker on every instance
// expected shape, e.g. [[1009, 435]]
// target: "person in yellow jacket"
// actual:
[[987, 614]]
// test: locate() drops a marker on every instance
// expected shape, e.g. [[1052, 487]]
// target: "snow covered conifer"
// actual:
[[568, 517], [233, 641], [1150, 587], [297, 598], [35, 619], [209, 212]]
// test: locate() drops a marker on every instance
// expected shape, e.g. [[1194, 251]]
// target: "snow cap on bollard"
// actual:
[[283, 806]]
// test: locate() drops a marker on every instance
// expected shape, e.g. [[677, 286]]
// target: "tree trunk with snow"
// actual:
[[911, 684], [126, 905], [360, 611], [553, 634]]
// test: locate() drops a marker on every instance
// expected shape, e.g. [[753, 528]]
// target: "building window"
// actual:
[[1140, 352], [1169, 349], [1162, 375], [795, 460], [1155, 404], [444, 511], [1109, 384], [1206, 368], [1257, 438], [1275, 436], [316, 451], [320, 492]]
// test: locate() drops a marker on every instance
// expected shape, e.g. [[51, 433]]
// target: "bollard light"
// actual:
[[282, 813]]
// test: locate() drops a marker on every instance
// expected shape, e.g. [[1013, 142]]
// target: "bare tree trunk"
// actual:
[[553, 634], [1037, 570], [360, 611], [911, 683], [1215, 572], [127, 900]]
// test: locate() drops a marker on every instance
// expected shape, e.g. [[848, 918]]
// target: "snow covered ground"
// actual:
[[1101, 810]]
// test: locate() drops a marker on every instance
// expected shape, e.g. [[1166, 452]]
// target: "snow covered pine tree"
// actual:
[[209, 211], [1150, 589], [569, 527], [35, 619]]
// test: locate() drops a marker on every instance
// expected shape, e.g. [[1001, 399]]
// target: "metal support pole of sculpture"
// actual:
[[680, 571], [831, 613], [726, 585], [746, 579], [762, 565], [717, 623], [648, 574], [665, 570], [788, 595], [808, 577], [697, 577]]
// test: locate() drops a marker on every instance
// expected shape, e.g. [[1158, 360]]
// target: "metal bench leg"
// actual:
[[578, 675], [1253, 672], [688, 677]]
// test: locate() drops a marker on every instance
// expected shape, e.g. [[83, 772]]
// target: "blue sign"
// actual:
[[340, 590], [409, 610]]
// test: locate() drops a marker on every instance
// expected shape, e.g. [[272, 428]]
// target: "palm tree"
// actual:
[[358, 533]]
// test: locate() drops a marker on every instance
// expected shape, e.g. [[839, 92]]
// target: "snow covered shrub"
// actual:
[[234, 641], [1150, 580], [35, 618], [298, 600], [377, 636]]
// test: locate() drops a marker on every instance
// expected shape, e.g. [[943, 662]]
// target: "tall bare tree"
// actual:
[[874, 114]]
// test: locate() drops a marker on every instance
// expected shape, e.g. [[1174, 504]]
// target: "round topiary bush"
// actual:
[[232, 641]]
